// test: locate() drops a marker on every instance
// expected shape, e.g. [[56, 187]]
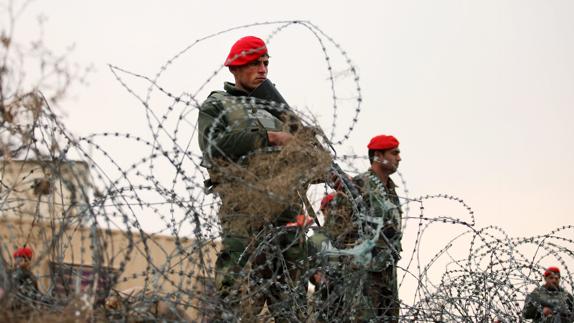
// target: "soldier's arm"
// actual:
[[218, 138], [530, 310]]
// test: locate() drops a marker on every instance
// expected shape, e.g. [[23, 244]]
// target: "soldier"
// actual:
[[380, 223], [231, 129], [24, 285], [334, 276], [22, 277], [384, 222], [549, 302]]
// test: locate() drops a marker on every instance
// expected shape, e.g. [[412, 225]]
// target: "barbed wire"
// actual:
[[137, 237]]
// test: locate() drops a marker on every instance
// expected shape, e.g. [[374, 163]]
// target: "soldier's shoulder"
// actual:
[[217, 95], [213, 105], [566, 294], [542, 292], [540, 289], [214, 98], [365, 182], [361, 179]]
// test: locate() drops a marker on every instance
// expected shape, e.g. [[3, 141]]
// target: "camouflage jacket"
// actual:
[[25, 281], [384, 211], [342, 226], [230, 126], [560, 301]]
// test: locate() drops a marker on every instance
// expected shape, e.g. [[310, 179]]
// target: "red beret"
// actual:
[[383, 142], [23, 252], [550, 270], [326, 200], [245, 50]]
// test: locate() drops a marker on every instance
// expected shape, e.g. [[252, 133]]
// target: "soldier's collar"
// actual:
[[552, 288], [233, 90], [390, 182]]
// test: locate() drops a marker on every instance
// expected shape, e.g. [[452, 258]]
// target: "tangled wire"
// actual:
[[135, 237]]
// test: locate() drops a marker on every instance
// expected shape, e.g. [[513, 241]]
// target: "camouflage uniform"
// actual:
[[378, 299], [560, 301], [383, 206], [25, 281], [230, 128], [25, 286], [333, 302]]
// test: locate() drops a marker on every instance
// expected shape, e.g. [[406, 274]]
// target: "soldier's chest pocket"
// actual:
[[240, 119], [252, 118]]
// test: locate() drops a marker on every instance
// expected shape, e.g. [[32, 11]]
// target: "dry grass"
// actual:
[[76, 311], [254, 194]]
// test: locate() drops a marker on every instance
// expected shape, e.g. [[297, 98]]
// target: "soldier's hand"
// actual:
[[337, 182], [547, 311], [277, 138], [318, 278]]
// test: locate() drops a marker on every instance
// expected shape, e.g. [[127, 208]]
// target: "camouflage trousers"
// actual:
[[251, 272], [340, 300], [332, 299], [382, 292]]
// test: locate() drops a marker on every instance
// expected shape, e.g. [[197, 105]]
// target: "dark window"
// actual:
[[67, 279]]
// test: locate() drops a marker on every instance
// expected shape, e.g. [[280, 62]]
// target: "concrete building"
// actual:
[[47, 205]]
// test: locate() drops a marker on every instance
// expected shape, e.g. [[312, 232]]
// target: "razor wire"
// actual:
[[86, 212]]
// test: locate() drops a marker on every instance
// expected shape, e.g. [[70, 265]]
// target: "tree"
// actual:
[[33, 80]]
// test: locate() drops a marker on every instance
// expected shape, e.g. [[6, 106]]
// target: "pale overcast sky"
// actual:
[[479, 93]]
